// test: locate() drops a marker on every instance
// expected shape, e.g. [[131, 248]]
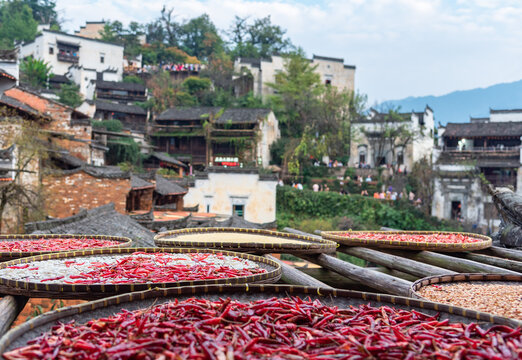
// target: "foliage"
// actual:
[[220, 69], [199, 37], [69, 94], [44, 12], [16, 23], [22, 196], [35, 72], [364, 210], [250, 101], [421, 180], [109, 125], [259, 39], [196, 86], [167, 172], [133, 79], [123, 150], [129, 37]]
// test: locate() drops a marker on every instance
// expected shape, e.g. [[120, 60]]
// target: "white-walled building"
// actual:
[[487, 147], [260, 72], [370, 148], [63, 51], [235, 191]]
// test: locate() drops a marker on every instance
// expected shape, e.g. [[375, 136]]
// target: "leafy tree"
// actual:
[[69, 94], [16, 23], [44, 11], [21, 197], [121, 150], [196, 86], [250, 101], [259, 39], [34, 72], [220, 69], [199, 37], [133, 79], [116, 33]]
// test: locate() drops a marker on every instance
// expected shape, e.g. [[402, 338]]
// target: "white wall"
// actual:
[[514, 115], [269, 133], [222, 190], [89, 53]]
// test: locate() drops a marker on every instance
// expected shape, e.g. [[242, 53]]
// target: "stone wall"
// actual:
[[67, 193]]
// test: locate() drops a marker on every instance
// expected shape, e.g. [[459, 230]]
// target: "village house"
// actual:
[[411, 141], [258, 73], [210, 135], [242, 192], [61, 51], [132, 117], [487, 148], [91, 29], [9, 63]]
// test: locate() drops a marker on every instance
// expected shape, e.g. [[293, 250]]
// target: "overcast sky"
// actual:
[[400, 47]]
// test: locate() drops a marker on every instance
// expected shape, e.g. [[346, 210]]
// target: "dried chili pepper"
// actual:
[[54, 244], [442, 238], [286, 328]]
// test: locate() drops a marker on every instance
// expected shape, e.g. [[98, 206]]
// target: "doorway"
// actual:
[[456, 210]]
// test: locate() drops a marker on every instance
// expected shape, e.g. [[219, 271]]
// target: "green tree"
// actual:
[[115, 32], [259, 39], [196, 86], [35, 73], [16, 23], [219, 69], [69, 94], [133, 79], [44, 11], [121, 149], [200, 38]]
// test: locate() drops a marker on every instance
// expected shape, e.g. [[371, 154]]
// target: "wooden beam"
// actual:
[[378, 281], [511, 254], [450, 262], [395, 262], [492, 260], [10, 307], [295, 277]]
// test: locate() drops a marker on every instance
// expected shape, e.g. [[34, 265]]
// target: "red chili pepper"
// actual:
[[445, 238], [54, 244]]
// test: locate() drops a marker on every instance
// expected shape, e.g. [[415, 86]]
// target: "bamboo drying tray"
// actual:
[[469, 278], [138, 300], [409, 245], [95, 291], [245, 240], [5, 256]]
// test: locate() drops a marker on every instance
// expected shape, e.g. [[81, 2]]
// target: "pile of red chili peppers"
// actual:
[[55, 244], [159, 268], [287, 328], [429, 238]]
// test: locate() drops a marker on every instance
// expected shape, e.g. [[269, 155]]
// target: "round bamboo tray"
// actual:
[[94, 291], [5, 256], [332, 297], [485, 241], [462, 278], [245, 240]]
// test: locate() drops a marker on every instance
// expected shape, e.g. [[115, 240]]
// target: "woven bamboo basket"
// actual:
[[459, 278], [485, 241], [4, 256], [244, 240], [95, 291], [138, 300]]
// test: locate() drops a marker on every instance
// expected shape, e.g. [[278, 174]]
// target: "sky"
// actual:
[[401, 48]]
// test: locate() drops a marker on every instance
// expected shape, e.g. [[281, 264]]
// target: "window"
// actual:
[[362, 158], [102, 58], [208, 208], [51, 50], [238, 210], [400, 158]]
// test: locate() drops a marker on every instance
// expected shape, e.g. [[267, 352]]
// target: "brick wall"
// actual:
[[66, 194]]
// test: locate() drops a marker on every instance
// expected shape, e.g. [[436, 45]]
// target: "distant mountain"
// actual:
[[457, 106]]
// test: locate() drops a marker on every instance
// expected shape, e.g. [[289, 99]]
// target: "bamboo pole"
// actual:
[[374, 279], [395, 262], [10, 307], [450, 262], [295, 277]]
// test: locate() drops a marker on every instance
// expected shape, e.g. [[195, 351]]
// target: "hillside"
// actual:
[[457, 106]]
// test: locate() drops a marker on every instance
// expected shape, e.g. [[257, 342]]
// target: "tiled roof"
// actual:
[[166, 187], [121, 108], [103, 220], [14, 103], [119, 85], [168, 159], [243, 116], [139, 183], [188, 113], [483, 129]]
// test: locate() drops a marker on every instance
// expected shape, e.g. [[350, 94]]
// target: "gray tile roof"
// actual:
[[119, 85], [103, 220], [243, 116], [483, 129], [188, 113], [139, 183], [166, 187], [12, 102], [167, 158], [117, 107]]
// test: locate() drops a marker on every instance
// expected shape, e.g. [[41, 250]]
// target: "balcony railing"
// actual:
[[68, 58], [489, 149], [129, 97]]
